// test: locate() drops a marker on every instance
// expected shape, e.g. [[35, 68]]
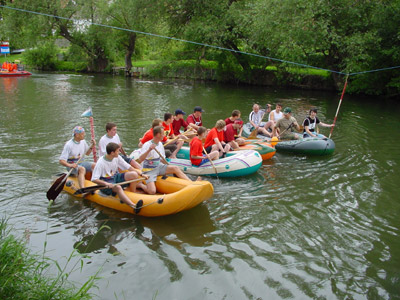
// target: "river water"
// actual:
[[300, 228]]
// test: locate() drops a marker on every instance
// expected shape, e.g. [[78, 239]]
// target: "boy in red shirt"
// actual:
[[230, 131], [179, 122], [195, 118], [175, 146], [197, 155], [215, 139]]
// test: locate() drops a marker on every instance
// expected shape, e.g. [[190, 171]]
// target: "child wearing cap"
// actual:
[[179, 122], [194, 120], [73, 151]]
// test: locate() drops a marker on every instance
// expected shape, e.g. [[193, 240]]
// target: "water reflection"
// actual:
[[189, 227]]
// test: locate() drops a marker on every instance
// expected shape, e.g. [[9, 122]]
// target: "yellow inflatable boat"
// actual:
[[173, 195]]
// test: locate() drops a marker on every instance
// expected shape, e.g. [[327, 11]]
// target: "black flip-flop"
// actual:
[[138, 207]]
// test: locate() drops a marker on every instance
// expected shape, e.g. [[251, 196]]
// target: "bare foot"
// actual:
[[172, 156], [199, 178]]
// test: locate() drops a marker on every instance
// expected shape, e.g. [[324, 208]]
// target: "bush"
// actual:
[[43, 57]]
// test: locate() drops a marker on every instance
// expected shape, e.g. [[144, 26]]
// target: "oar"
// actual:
[[58, 185], [93, 188], [177, 137], [253, 134], [162, 157], [340, 102], [215, 169]]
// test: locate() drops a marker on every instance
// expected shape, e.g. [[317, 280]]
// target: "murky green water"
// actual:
[[300, 228]]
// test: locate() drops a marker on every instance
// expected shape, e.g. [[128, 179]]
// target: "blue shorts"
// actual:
[[119, 177], [126, 158], [87, 165]]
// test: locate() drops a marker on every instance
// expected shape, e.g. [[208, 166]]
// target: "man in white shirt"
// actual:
[[255, 119], [152, 164], [73, 151]]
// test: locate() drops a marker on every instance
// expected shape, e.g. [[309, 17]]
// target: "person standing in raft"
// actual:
[[152, 164], [194, 120], [232, 134], [197, 155], [310, 123], [215, 139], [112, 137], [73, 150], [107, 172], [286, 126]]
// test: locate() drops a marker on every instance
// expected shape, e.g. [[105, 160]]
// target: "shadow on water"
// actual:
[[86, 218]]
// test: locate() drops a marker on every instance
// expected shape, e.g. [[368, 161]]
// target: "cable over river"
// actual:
[[323, 227]]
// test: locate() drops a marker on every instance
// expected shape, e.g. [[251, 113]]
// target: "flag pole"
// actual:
[[340, 102], [88, 113]]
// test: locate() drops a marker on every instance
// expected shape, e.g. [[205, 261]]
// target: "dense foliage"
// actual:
[[340, 35]]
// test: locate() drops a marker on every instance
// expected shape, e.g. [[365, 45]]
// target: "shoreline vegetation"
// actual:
[[290, 77], [301, 44], [24, 275]]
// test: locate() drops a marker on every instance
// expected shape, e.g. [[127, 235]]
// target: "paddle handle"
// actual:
[[175, 138], [212, 163], [162, 157]]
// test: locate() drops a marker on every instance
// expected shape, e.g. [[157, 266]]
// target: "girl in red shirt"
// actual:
[[197, 155]]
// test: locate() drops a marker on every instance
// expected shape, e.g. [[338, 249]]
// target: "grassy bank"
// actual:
[[23, 275]]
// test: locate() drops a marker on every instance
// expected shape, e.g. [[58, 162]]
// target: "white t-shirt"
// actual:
[[153, 159], [105, 140], [256, 117], [277, 116], [73, 150], [106, 168]]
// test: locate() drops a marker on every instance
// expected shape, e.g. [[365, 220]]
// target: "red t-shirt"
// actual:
[[176, 125], [229, 133], [169, 131], [191, 119], [196, 149], [214, 133], [228, 121], [149, 135]]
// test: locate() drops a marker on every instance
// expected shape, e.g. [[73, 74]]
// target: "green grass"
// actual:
[[23, 275], [12, 57]]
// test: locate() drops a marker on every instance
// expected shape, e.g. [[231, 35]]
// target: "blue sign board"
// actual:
[[5, 50]]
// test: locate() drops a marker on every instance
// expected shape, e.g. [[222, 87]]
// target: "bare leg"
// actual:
[[175, 170], [120, 192], [81, 176], [179, 145]]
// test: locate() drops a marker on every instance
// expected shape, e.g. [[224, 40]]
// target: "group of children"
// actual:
[[164, 137]]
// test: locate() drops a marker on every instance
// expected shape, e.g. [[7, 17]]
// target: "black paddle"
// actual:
[[58, 185]]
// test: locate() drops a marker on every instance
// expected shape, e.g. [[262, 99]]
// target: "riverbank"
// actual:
[[24, 275]]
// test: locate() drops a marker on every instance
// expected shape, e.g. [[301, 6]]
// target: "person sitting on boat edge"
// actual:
[[255, 119], [215, 139], [276, 114], [232, 134], [73, 150], [152, 164], [179, 122], [286, 126], [235, 115], [197, 155], [176, 145], [194, 119], [112, 137], [107, 172], [310, 124]]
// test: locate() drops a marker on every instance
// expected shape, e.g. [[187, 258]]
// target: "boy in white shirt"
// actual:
[[107, 172]]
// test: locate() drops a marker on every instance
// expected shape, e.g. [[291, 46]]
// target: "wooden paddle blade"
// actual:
[[90, 189], [56, 187], [253, 134]]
